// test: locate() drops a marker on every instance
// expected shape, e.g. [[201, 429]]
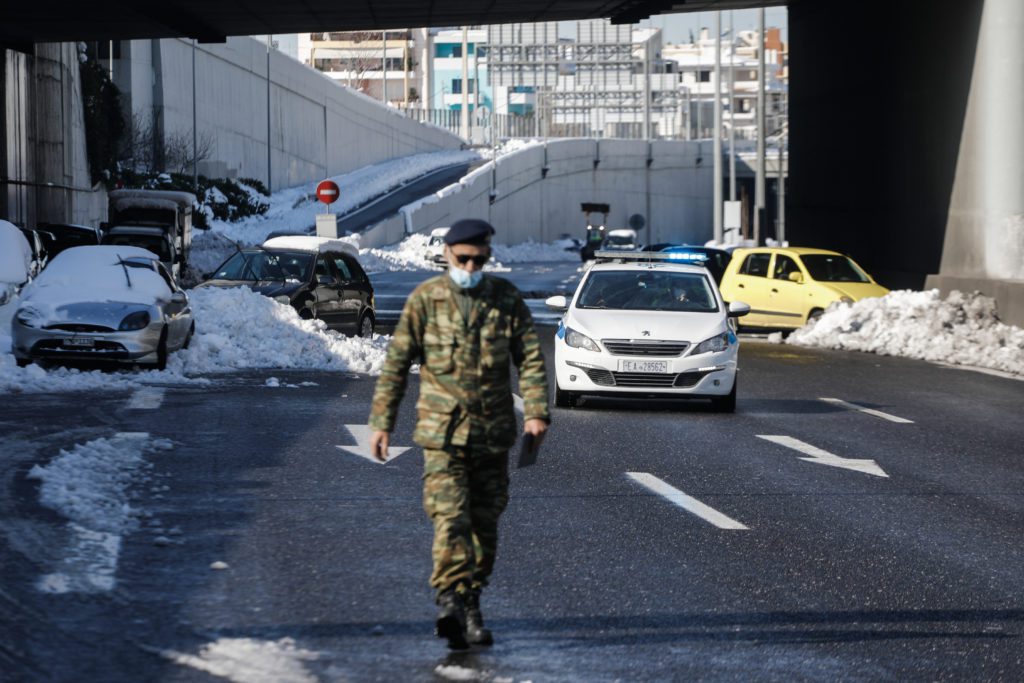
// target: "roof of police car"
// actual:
[[649, 265]]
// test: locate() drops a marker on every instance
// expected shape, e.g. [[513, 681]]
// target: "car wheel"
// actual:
[[814, 315], [23, 362], [306, 313], [366, 326], [727, 403], [565, 399], [161, 351], [188, 337]]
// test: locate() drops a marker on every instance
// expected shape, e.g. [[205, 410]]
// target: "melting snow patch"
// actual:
[[89, 485], [454, 672], [250, 661], [961, 330]]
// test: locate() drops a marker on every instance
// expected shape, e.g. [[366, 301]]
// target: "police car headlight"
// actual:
[[720, 342], [578, 340]]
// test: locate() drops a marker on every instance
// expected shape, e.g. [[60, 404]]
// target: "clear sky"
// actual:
[[677, 27]]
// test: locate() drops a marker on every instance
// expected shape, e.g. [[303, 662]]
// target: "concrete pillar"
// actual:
[[984, 240]]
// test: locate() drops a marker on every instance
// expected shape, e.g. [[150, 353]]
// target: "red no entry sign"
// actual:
[[327, 191]]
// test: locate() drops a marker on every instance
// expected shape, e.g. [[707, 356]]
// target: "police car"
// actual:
[[642, 324]]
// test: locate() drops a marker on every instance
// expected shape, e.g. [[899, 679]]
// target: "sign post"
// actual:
[[327, 191]]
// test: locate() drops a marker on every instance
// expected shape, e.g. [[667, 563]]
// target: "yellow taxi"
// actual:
[[787, 286]]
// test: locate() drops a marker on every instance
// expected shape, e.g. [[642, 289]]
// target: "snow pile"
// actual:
[[89, 484], [510, 147], [15, 257], [238, 329], [294, 210], [961, 330], [409, 255], [531, 252], [245, 660]]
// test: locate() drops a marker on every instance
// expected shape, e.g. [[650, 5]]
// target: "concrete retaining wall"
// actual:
[[663, 181], [317, 127]]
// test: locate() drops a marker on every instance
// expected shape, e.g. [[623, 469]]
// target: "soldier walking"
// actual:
[[463, 328]]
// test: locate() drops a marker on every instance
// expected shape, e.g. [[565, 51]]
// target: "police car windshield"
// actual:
[[648, 290]]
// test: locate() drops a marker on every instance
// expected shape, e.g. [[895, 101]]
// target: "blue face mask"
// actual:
[[464, 278]]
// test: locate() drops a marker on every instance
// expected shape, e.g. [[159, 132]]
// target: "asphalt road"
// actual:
[[839, 574]]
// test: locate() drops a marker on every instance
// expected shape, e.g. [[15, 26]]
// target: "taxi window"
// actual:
[[756, 264], [783, 267]]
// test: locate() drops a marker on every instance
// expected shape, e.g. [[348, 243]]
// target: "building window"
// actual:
[[451, 50], [704, 76], [457, 86]]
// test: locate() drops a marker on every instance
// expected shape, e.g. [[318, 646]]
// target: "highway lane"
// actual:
[[840, 574]]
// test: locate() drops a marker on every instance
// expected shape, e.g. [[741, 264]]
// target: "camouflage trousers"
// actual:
[[464, 494]]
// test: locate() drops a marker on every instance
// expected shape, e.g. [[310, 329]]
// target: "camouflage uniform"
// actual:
[[466, 418]]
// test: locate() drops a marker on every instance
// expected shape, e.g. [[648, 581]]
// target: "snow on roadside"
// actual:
[[961, 330], [246, 660], [236, 329], [408, 255], [294, 209], [531, 252], [90, 486]]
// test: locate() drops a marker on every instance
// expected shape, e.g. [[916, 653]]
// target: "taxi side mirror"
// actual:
[[797, 277], [559, 302], [738, 309]]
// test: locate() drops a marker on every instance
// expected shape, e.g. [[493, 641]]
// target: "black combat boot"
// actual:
[[476, 634], [451, 619]]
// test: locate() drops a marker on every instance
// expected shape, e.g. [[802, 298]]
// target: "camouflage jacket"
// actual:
[[465, 381]]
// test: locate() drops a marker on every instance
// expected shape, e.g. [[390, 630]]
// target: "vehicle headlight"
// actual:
[[578, 340], [282, 299], [134, 321], [27, 317], [845, 300], [720, 342]]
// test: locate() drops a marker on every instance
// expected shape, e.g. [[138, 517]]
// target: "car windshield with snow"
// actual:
[[642, 325], [320, 278], [102, 303]]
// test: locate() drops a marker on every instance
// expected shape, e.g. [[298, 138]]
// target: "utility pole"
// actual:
[[465, 83], [405, 71], [717, 141], [732, 111], [780, 231], [647, 88], [384, 69], [269, 176], [195, 138], [759, 182]]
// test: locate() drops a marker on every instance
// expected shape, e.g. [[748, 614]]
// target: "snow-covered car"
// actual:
[[15, 261], [102, 303], [319, 277], [434, 253], [642, 325], [620, 238]]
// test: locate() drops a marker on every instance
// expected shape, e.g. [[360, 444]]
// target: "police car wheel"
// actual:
[[727, 403], [565, 399]]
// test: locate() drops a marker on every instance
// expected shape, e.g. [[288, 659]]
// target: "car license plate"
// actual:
[[79, 341], [643, 366]]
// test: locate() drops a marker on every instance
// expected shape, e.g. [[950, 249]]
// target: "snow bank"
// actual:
[[531, 252], [293, 210], [960, 330], [226, 320], [15, 255], [408, 255]]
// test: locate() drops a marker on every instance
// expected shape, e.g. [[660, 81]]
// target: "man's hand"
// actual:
[[537, 428], [379, 446]]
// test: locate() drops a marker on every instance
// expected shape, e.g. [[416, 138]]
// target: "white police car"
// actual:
[[642, 324]]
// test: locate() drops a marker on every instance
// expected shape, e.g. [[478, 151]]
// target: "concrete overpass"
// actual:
[[906, 139]]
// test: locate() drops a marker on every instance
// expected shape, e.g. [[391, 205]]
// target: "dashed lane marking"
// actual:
[[688, 503], [869, 411], [823, 457], [148, 398]]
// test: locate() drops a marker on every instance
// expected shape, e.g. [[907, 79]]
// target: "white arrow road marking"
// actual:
[[148, 398], [688, 503], [361, 433], [870, 411], [823, 457]]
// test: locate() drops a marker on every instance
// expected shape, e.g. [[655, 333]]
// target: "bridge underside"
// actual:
[[214, 20]]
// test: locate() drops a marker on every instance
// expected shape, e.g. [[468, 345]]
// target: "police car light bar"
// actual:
[[648, 256]]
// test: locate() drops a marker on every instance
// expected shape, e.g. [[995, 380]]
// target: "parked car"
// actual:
[[15, 261], [60, 236], [106, 303], [319, 277], [624, 239], [643, 325], [788, 286], [40, 254], [434, 252]]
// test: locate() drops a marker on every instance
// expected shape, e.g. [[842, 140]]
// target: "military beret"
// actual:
[[469, 231]]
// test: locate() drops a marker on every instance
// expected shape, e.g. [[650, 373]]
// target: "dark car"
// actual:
[[320, 278], [715, 260], [60, 236]]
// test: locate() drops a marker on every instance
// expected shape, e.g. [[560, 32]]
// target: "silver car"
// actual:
[[109, 303]]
